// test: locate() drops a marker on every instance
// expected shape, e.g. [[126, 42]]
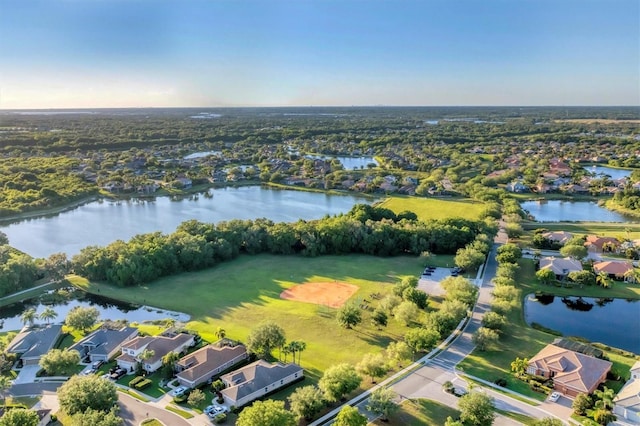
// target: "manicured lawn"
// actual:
[[420, 412], [239, 294], [178, 411], [609, 229], [434, 208], [151, 422]]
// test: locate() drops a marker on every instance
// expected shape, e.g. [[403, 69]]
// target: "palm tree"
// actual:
[[48, 314], [146, 355], [605, 398], [632, 276], [297, 346], [5, 383], [603, 279], [221, 333], [286, 350], [29, 316]]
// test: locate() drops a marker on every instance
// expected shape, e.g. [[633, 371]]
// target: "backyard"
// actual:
[[434, 208]]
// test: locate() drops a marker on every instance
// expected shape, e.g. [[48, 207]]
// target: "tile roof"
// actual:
[[612, 267], [573, 369], [208, 359], [560, 266]]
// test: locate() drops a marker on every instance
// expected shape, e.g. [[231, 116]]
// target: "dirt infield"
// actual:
[[322, 293]]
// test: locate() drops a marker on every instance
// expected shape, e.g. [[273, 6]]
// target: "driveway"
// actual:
[[27, 374]]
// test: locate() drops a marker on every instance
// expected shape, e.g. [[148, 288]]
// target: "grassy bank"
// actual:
[[239, 294], [610, 229], [434, 208], [417, 412]]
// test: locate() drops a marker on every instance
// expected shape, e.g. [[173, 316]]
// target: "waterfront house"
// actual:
[[33, 342], [627, 401], [104, 344], [561, 267]]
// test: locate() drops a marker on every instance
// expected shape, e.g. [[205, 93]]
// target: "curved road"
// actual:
[[134, 411]]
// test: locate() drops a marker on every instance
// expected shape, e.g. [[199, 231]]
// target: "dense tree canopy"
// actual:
[[87, 392], [266, 413]]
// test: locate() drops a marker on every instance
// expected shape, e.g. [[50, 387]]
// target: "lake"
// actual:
[[102, 222], [614, 173], [608, 321], [108, 308], [349, 163], [571, 211]]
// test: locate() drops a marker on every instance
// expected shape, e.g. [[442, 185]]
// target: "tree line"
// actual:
[[196, 245]]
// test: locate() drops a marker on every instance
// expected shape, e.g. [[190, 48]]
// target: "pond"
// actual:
[[613, 173], [108, 308], [571, 211], [614, 322], [102, 222], [349, 163]]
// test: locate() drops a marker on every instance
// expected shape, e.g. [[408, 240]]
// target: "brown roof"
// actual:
[[573, 369], [208, 359], [160, 345], [594, 240], [612, 267]]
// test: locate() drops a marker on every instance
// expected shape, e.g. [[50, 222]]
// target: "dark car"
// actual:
[[119, 372], [96, 365]]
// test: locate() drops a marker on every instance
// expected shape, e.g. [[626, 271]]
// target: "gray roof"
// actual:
[[36, 341], [105, 341], [255, 376], [208, 359]]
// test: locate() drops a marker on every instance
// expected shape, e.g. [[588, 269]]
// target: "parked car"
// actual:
[[117, 373], [180, 391], [554, 396], [96, 365], [214, 410]]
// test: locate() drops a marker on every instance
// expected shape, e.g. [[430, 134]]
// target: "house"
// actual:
[[33, 342], [561, 267], [185, 182], [560, 237], [159, 346], [613, 269], [207, 362], [597, 244], [256, 380], [627, 401], [572, 372], [104, 344], [517, 186]]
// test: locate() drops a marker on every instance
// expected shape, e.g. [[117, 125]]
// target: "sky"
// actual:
[[193, 53]]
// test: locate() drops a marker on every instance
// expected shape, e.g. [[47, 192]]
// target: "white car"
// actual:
[[179, 391], [554, 396]]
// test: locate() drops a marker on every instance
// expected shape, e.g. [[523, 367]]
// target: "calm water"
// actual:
[[109, 309], [102, 222], [614, 322], [571, 211], [614, 173], [349, 163]]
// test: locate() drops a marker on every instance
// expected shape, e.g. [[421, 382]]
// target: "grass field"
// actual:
[[618, 230], [418, 412], [432, 208], [240, 294]]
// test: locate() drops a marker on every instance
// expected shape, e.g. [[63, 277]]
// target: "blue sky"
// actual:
[[139, 53]]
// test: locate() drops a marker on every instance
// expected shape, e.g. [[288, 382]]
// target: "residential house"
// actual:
[[561, 267], [33, 342], [560, 237], [256, 380], [614, 269], [572, 372], [104, 344], [207, 362], [627, 401], [597, 244], [158, 346], [185, 182], [517, 186]]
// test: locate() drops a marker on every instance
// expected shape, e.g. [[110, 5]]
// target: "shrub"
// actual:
[[143, 384], [501, 382], [135, 381], [220, 418]]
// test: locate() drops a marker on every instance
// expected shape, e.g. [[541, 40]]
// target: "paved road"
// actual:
[[134, 411]]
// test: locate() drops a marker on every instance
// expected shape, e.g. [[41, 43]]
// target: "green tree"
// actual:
[[28, 316], [581, 404], [469, 258], [574, 251], [20, 417], [493, 320], [80, 393], [372, 365], [60, 362], [57, 266], [381, 402], [603, 279], [399, 352], [349, 315], [196, 397], [168, 364], [460, 288], [603, 416], [5, 383], [508, 253], [545, 276], [485, 337], [264, 338], [266, 413], [421, 340], [92, 417], [48, 314], [82, 318], [406, 313], [416, 296], [307, 401], [338, 381], [519, 365], [476, 409], [379, 318], [221, 333], [513, 230], [350, 416], [451, 422], [604, 398]]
